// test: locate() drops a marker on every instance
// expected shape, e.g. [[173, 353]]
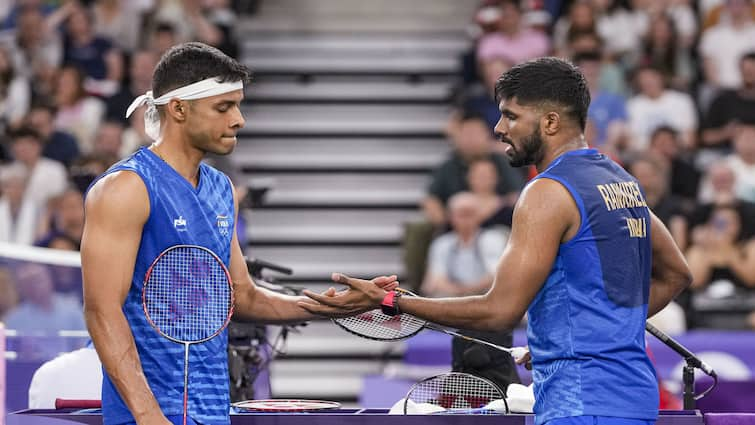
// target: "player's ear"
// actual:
[[550, 123], [177, 109]]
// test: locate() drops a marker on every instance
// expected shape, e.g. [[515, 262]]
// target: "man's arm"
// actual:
[[545, 216], [116, 209], [260, 305], [670, 274]]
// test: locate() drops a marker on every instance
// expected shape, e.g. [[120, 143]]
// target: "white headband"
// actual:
[[198, 90]]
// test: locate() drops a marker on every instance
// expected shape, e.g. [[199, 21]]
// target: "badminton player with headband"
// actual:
[[162, 266], [586, 259]]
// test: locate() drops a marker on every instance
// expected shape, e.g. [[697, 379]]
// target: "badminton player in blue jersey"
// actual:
[[586, 259], [158, 197]]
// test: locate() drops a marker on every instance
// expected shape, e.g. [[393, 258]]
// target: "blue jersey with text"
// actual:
[[586, 325], [179, 214]]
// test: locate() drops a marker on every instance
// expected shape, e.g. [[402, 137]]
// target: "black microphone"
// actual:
[[691, 359], [255, 265]]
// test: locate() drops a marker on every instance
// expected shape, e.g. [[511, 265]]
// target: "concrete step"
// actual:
[[326, 119], [270, 225], [316, 153], [417, 16], [276, 64], [319, 262], [358, 44], [342, 189], [288, 91]]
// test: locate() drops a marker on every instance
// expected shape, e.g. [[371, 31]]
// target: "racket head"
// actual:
[[188, 294], [285, 405], [454, 391], [378, 326]]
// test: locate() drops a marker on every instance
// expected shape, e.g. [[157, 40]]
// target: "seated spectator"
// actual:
[[42, 311], [15, 92], [663, 50], [46, 178], [119, 21], [141, 67], [653, 176], [162, 38], [78, 113], [513, 39], [480, 99], [473, 141], [654, 105], [742, 162], [100, 62], [722, 45], [463, 262], [718, 189], [59, 145], [37, 47], [730, 109], [666, 147], [607, 114], [621, 28], [109, 139], [495, 209], [18, 213], [719, 254], [65, 222], [580, 19]]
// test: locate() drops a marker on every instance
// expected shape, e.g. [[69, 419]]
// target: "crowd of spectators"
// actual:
[[68, 71], [673, 100]]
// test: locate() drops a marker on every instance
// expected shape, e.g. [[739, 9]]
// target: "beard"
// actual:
[[531, 151]]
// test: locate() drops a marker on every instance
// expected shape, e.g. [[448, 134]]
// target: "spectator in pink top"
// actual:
[[513, 39]]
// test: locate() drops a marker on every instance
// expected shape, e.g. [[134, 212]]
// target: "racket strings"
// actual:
[[377, 325], [187, 296], [455, 391]]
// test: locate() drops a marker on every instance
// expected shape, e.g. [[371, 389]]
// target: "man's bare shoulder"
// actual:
[[547, 203], [122, 191]]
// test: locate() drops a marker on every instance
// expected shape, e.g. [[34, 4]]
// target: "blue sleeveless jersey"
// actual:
[[179, 214], [586, 328]]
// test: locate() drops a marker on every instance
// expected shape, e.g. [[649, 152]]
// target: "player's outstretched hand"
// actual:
[[360, 296]]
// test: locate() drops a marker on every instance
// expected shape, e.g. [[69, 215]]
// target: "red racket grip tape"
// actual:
[[63, 403]]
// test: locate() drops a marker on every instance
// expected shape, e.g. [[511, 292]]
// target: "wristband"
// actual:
[[389, 305]]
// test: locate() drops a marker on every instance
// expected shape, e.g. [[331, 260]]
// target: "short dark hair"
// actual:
[[749, 56], [23, 132], [547, 80], [664, 129], [589, 56], [191, 62]]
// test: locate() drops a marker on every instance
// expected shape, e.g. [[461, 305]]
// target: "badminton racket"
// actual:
[[453, 392], [377, 325], [285, 405], [188, 299]]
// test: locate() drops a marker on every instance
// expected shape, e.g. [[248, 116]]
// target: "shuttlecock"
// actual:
[[498, 406], [398, 407], [425, 409]]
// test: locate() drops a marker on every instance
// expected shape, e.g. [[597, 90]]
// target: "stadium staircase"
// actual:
[[345, 120]]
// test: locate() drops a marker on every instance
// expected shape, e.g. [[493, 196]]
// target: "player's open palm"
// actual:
[[360, 296]]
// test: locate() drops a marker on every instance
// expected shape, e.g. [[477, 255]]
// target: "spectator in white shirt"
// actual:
[[656, 106]]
